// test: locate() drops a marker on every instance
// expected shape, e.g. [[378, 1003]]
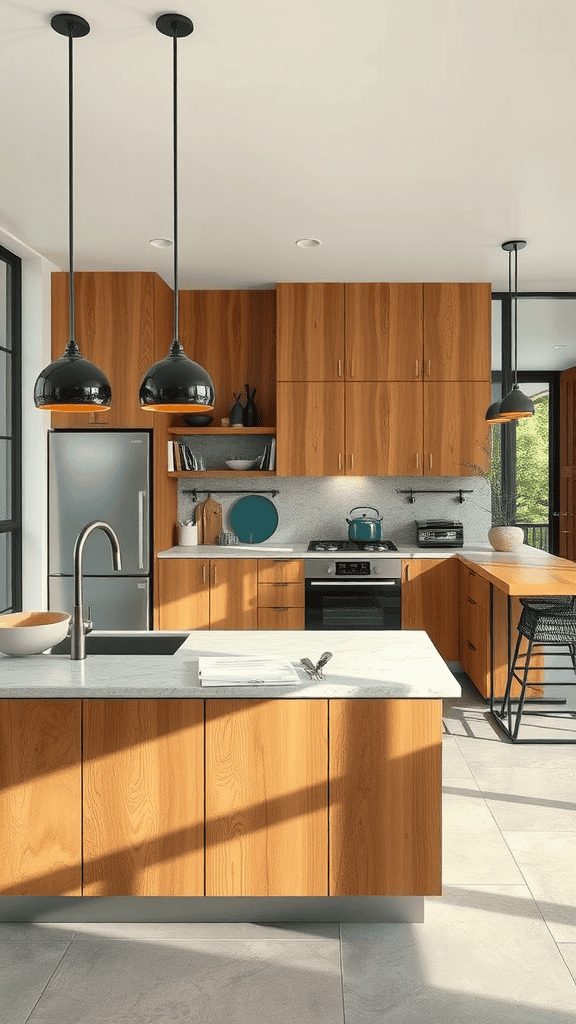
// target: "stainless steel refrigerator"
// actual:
[[101, 475]]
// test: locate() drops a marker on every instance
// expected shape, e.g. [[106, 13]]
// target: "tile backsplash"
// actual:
[[317, 507]]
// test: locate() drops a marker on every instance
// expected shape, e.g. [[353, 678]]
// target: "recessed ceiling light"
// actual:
[[161, 243], [560, 346], [308, 243]]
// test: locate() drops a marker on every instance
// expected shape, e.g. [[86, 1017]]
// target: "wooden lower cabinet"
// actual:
[[430, 601], [40, 798], [266, 797], [216, 593], [143, 798], [281, 618], [385, 797]]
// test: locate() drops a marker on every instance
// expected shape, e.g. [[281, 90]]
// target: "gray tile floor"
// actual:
[[498, 948]]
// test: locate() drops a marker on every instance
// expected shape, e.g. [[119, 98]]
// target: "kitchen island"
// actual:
[[123, 777]]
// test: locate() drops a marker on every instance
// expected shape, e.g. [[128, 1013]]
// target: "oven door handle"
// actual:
[[354, 583]]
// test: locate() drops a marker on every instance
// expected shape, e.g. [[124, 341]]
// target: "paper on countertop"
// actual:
[[246, 672]]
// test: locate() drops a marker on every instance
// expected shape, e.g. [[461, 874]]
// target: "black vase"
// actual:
[[236, 412], [250, 413]]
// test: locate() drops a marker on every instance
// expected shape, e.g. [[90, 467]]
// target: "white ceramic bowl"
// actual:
[[242, 463], [24, 633]]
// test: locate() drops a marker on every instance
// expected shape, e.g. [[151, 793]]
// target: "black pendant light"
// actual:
[[516, 405], [71, 383], [176, 383]]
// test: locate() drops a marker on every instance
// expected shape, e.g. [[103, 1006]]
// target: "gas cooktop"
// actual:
[[352, 545]]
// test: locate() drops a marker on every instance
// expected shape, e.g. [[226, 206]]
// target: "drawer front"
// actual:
[[478, 589], [280, 570], [274, 595], [280, 618]]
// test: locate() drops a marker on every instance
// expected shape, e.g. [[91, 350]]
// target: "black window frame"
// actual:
[[505, 377], [13, 525]]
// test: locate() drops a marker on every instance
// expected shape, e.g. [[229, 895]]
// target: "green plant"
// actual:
[[504, 509]]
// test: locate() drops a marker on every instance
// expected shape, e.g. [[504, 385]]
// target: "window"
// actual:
[[10, 433]]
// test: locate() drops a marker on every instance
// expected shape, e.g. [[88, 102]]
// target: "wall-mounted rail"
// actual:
[[460, 492]]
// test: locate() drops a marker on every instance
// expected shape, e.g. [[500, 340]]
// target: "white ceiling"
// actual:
[[412, 138]]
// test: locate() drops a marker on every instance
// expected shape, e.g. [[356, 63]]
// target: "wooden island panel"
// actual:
[[385, 797], [143, 798], [266, 797], [40, 798]]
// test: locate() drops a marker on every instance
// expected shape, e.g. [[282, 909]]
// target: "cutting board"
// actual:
[[211, 521]]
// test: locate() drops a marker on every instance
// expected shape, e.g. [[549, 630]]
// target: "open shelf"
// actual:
[[237, 473], [180, 431]]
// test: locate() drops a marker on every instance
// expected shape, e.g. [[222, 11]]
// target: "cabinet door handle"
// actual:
[[141, 514], [471, 600], [203, 572], [430, 460], [417, 374], [279, 584], [407, 573], [471, 646], [417, 460], [215, 576], [339, 460], [351, 461], [429, 367], [340, 368], [278, 608]]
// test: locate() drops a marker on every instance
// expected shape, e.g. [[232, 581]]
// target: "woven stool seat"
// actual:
[[548, 623]]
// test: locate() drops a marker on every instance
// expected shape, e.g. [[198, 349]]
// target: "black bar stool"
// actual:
[[547, 622]]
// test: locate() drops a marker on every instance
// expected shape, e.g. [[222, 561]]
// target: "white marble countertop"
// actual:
[[478, 553], [385, 664]]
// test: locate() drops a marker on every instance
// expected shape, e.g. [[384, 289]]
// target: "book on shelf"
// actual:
[[188, 462], [170, 456], [264, 457], [272, 457]]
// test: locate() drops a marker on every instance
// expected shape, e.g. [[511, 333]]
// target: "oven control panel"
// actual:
[[353, 568]]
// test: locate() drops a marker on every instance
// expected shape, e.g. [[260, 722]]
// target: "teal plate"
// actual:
[[253, 519]]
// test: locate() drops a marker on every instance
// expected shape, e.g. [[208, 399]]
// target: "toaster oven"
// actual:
[[439, 533]]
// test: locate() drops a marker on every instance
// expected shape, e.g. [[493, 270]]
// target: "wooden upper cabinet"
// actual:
[[123, 324], [40, 797], [310, 430], [232, 334], [457, 333], [454, 427], [310, 332], [383, 332], [384, 429]]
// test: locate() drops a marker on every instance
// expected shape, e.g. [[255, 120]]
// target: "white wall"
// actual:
[[36, 273]]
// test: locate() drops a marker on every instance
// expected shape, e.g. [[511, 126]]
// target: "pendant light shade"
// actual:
[[71, 383], [176, 383], [516, 405]]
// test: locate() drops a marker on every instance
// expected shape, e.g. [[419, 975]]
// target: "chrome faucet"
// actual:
[[80, 626]]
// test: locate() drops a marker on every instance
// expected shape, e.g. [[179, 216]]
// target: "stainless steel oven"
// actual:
[[361, 593]]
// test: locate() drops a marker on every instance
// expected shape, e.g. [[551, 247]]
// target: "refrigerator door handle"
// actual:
[[141, 512]]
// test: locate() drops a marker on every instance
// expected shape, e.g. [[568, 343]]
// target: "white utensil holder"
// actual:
[[188, 535]]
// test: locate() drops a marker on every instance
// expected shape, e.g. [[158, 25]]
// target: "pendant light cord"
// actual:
[[515, 316], [72, 347], [176, 347]]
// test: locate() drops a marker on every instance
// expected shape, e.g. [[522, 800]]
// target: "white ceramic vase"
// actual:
[[506, 538]]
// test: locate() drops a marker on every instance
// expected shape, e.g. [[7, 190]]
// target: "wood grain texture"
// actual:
[[383, 332], [280, 570], [40, 798], [500, 644], [273, 595], [457, 331], [143, 798], [385, 797], [454, 427], [567, 533], [310, 331], [266, 798], [430, 601], [530, 580], [233, 593], [183, 593], [211, 521], [384, 429], [281, 618], [232, 334], [310, 430], [116, 328]]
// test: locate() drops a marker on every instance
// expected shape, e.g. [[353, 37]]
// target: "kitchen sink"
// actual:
[[148, 643]]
